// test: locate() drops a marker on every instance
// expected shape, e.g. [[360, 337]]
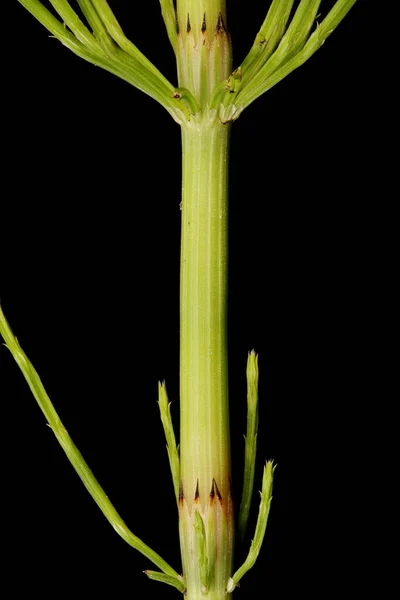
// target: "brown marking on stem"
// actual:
[[204, 25], [188, 27]]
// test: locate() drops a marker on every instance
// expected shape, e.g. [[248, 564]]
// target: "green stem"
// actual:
[[205, 503], [204, 437], [204, 440]]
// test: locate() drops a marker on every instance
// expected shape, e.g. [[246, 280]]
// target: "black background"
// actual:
[[90, 285]]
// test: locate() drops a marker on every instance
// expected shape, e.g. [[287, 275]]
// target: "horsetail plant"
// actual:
[[210, 95]]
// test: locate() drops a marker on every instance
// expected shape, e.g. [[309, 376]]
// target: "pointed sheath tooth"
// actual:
[[217, 491], [220, 28], [188, 27], [204, 24], [212, 492], [197, 494]]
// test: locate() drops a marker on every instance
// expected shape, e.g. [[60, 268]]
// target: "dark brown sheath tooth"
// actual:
[[204, 26], [220, 28], [212, 492], [196, 494], [217, 490], [181, 496], [188, 27]]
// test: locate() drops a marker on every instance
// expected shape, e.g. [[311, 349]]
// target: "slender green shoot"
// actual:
[[201, 551], [168, 579], [265, 505], [72, 452], [250, 441], [172, 449]]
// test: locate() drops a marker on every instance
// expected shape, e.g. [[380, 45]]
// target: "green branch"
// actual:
[[178, 583], [261, 526], [97, 25], [73, 22], [110, 49], [49, 21], [72, 452], [290, 44], [270, 75], [267, 38], [296, 46], [170, 20], [172, 449], [115, 31], [250, 441]]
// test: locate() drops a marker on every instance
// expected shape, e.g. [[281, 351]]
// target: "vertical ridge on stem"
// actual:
[[204, 440]]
